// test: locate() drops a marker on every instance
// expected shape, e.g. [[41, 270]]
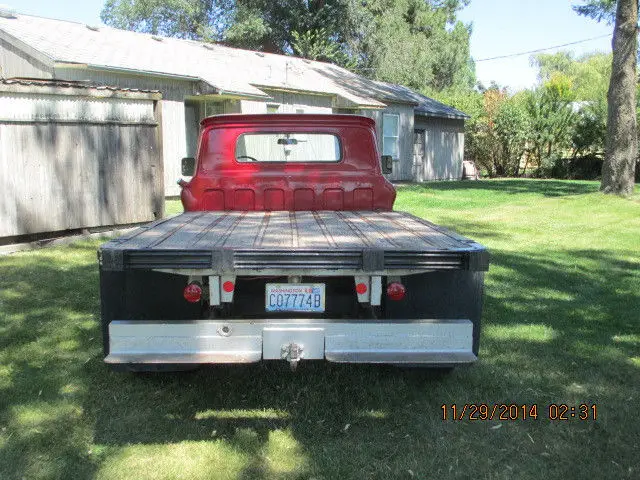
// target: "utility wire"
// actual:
[[542, 49]]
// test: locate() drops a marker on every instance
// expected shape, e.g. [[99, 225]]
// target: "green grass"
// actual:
[[561, 325]]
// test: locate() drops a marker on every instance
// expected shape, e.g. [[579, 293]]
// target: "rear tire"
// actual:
[[154, 367], [426, 368]]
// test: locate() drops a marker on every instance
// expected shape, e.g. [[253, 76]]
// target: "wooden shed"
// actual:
[[76, 157]]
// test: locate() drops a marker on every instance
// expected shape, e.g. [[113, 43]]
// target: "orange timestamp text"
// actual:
[[513, 411]]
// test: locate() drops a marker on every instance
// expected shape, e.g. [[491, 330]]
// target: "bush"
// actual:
[[581, 168]]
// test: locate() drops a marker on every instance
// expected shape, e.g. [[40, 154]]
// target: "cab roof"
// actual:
[[288, 119]]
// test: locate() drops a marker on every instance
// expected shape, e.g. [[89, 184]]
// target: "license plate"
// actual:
[[294, 297]]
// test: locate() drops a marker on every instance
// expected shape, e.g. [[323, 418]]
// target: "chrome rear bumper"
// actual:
[[428, 342]]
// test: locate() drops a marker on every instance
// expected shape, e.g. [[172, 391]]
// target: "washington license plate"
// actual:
[[294, 297]]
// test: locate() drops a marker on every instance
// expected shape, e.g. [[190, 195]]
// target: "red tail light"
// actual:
[[396, 291], [192, 292], [228, 286], [361, 288]]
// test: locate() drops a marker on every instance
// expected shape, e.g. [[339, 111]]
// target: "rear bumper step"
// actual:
[[428, 342]]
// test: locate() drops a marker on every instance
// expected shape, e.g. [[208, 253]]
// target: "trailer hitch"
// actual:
[[292, 353]]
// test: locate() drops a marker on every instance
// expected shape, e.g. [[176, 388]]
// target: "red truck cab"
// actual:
[[278, 163]]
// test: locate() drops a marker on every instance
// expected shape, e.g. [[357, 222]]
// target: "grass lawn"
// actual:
[[561, 326]]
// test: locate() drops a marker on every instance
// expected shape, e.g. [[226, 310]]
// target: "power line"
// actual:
[[542, 49]]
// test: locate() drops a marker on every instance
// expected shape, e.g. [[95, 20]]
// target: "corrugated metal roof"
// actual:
[[228, 70], [30, 82], [424, 105]]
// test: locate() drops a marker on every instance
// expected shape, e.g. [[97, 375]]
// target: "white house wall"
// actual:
[[171, 88], [293, 102], [174, 143], [253, 106], [444, 149], [14, 63], [403, 166]]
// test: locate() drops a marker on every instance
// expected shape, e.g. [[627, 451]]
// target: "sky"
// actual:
[[500, 27], [503, 27]]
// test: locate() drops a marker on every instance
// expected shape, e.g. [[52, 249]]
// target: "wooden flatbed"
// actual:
[[302, 242]]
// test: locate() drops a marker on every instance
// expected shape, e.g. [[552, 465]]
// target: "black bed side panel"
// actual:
[[442, 295], [143, 295]]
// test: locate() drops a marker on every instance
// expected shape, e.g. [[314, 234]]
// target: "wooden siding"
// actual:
[[253, 106], [292, 102], [16, 63], [26, 107], [403, 167], [78, 166], [171, 89], [443, 149], [174, 132]]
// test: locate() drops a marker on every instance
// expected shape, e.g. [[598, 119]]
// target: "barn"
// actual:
[[425, 137]]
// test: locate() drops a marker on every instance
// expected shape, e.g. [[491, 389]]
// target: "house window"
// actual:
[[272, 108], [192, 127], [391, 135]]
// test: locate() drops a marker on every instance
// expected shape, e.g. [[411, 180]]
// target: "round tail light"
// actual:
[[192, 293], [361, 288], [396, 291]]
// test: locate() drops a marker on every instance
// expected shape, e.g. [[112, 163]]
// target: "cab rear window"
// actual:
[[288, 147]]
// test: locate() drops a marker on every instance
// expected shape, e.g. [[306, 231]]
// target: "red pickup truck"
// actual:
[[289, 248]]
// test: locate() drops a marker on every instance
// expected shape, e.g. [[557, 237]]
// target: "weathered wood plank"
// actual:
[[322, 231]]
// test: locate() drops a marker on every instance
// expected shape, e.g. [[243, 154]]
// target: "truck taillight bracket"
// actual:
[[217, 293], [373, 292]]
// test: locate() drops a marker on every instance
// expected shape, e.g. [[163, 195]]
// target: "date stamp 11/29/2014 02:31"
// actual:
[[514, 412]]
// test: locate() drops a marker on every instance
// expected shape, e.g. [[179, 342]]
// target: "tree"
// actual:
[[550, 63], [621, 142], [277, 26], [317, 45], [513, 129], [589, 135], [255, 24], [417, 43], [552, 121], [192, 19], [589, 75], [498, 130]]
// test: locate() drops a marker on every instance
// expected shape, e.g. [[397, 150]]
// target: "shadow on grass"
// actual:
[[545, 188], [551, 323], [578, 302], [475, 230], [48, 330]]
